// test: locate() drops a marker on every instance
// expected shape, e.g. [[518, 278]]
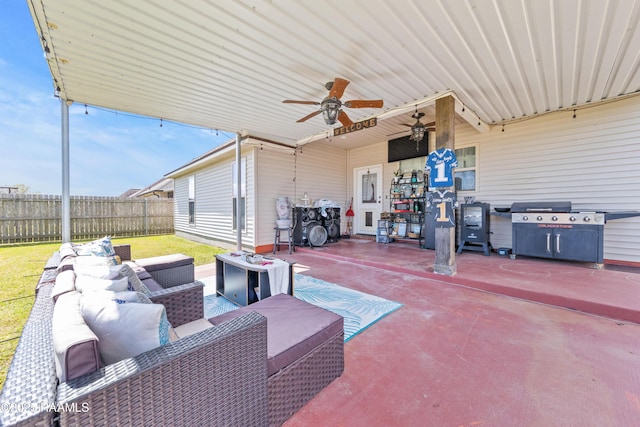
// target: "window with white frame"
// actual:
[[243, 193], [192, 199], [466, 170], [409, 165]]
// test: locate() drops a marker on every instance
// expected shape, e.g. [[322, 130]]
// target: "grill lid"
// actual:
[[541, 207]]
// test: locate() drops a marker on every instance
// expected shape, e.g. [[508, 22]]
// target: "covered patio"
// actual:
[[542, 93], [504, 342]]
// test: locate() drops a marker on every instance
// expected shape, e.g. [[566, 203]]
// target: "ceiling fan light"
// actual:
[[417, 131], [330, 109]]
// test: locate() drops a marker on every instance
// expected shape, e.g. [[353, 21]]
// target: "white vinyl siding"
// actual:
[[592, 161], [214, 209], [318, 169]]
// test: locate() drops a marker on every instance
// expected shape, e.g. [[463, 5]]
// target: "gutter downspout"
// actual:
[[66, 198], [239, 195]]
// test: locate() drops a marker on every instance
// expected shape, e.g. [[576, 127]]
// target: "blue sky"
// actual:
[[109, 153]]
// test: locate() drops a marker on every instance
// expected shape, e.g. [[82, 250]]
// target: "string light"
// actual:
[[574, 114], [47, 51], [162, 121]]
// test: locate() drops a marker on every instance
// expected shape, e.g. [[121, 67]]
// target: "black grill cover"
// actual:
[[541, 207]]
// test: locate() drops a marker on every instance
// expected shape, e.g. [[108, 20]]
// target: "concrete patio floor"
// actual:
[[491, 346]]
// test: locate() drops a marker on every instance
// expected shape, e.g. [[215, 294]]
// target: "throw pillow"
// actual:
[[124, 329], [101, 247], [135, 284]]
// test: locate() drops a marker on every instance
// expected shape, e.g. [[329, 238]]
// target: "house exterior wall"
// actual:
[[272, 172], [592, 160], [214, 202], [318, 169]]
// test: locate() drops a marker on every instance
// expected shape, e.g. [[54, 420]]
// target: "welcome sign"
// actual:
[[356, 127]]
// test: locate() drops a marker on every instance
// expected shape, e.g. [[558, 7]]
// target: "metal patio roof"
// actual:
[[228, 65]]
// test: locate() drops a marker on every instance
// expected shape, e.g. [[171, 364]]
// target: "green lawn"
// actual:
[[21, 267]]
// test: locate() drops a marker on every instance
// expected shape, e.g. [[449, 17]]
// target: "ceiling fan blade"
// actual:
[[307, 117], [344, 119], [289, 101], [396, 133], [429, 126], [339, 85], [364, 103]]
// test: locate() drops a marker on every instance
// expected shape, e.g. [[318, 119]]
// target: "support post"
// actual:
[[66, 195], [239, 195], [445, 238]]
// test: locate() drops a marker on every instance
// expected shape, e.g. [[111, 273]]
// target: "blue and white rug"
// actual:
[[359, 310]]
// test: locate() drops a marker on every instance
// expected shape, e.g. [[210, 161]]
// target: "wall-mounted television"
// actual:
[[403, 148]]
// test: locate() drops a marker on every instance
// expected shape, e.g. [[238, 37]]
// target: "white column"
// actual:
[[239, 195], [66, 196]]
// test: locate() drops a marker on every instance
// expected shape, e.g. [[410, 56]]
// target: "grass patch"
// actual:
[[22, 265]]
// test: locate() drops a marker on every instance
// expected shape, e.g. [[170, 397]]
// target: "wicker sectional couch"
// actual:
[[219, 376]]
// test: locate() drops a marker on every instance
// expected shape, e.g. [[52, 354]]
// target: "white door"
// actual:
[[368, 199]]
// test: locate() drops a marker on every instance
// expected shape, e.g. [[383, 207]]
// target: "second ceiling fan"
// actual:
[[331, 106]]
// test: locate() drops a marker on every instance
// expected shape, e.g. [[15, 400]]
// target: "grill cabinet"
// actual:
[[552, 230]]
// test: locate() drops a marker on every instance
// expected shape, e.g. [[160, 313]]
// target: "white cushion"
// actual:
[[65, 282], [97, 260], [98, 271], [193, 327], [88, 283], [124, 329], [75, 346], [67, 264], [67, 250]]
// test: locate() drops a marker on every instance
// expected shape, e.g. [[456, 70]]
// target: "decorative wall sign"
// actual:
[[355, 127], [440, 164], [441, 207]]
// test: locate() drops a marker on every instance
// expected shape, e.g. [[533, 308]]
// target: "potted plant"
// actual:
[[396, 176]]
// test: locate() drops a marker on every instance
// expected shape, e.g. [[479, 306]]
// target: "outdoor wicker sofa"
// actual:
[[219, 376]]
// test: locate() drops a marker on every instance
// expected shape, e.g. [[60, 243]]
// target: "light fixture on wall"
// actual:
[[418, 129]]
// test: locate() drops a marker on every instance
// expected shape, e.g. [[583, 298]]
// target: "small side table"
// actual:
[[243, 283]]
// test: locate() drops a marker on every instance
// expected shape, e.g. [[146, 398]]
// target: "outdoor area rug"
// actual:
[[360, 310]]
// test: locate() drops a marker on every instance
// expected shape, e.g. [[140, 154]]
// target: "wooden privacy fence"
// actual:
[[36, 218]]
